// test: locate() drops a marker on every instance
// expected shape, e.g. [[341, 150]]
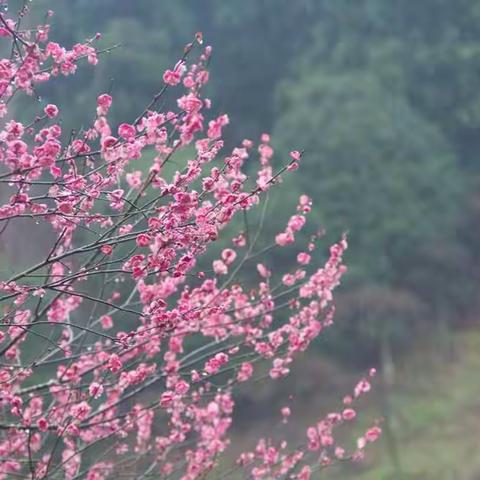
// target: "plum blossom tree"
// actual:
[[120, 350]]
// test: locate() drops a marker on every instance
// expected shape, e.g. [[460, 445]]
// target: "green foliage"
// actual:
[[432, 59], [373, 164]]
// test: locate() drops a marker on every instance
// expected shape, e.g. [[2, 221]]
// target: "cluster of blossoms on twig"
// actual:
[[117, 341]]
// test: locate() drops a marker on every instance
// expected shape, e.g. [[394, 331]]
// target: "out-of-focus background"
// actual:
[[384, 97]]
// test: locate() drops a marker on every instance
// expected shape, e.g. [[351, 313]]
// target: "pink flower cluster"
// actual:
[[138, 346]]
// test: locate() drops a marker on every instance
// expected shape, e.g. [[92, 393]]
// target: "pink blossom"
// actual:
[[240, 241], [228, 256], [219, 267], [286, 412], [106, 249], [106, 321], [372, 434], [362, 387], [214, 364], [296, 223], [42, 424], [245, 372], [95, 390], [166, 399], [263, 271], [134, 179], [108, 142], [283, 239], [288, 279], [361, 443], [190, 103], [215, 126], [349, 414], [143, 240], [80, 410], [305, 473], [303, 258], [114, 363], [116, 199], [339, 452], [126, 131], [182, 387], [295, 155], [171, 77], [51, 110], [104, 102]]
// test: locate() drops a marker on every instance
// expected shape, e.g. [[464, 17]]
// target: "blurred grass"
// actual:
[[434, 419]]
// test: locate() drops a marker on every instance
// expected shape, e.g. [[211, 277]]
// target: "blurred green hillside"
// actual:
[[384, 98]]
